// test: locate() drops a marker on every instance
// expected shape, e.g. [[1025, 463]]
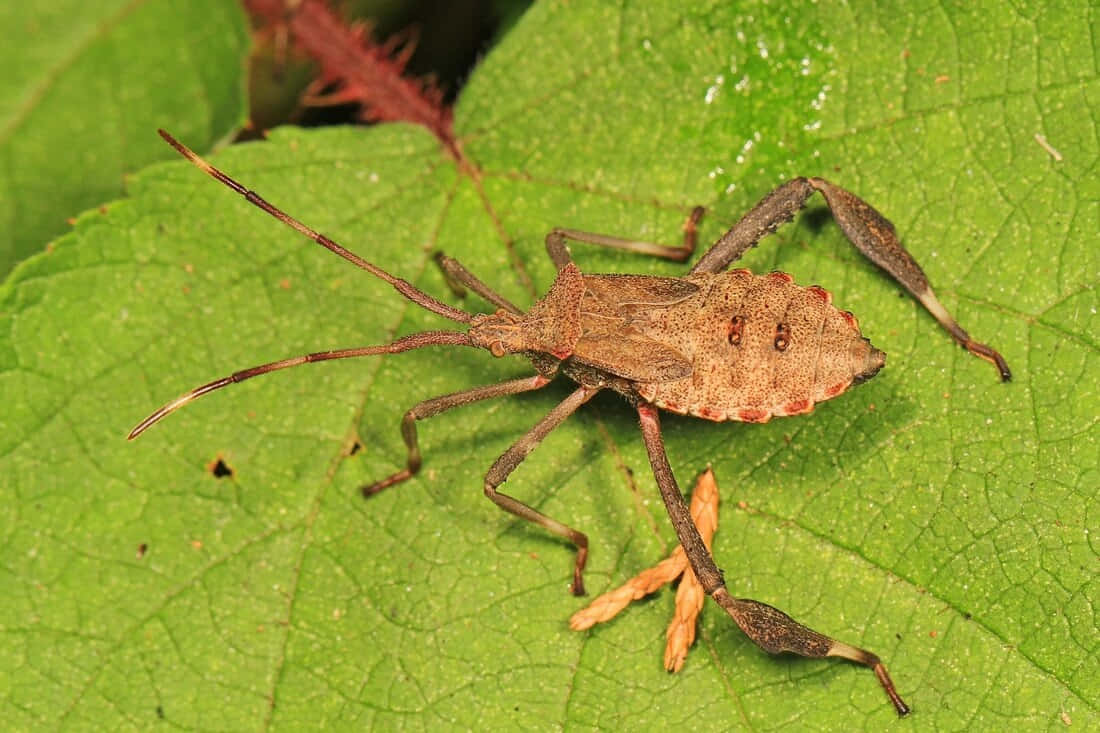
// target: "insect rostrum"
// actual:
[[716, 344]]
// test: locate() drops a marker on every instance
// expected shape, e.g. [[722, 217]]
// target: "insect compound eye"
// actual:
[[735, 328], [782, 337]]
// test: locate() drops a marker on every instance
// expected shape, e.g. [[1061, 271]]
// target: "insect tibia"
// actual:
[[776, 632], [867, 659]]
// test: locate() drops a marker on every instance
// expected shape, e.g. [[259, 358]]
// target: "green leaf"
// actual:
[[84, 85], [933, 515]]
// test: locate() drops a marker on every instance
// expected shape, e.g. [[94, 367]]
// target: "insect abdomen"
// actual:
[[760, 346]]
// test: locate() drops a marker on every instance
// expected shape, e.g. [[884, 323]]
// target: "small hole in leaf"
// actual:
[[354, 447], [142, 549], [220, 469]]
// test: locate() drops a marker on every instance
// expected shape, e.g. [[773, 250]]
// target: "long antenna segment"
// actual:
[[404, 287], [406, 343]]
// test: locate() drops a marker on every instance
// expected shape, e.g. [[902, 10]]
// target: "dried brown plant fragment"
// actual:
[[689, 596]]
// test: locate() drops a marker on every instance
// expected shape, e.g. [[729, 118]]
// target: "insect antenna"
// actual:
[[402, 286], [406, 343]]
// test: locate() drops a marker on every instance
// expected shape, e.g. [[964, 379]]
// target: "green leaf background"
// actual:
[[934, 515], [84, 83]]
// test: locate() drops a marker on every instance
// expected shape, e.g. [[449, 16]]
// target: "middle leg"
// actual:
[[512, 457], [555, 242]]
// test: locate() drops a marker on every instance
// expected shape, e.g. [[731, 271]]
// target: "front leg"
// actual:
[[768, 627], [867, 229], [436, 405], [459, 278]]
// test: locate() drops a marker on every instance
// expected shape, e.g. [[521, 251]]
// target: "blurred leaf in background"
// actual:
[[83, 85]]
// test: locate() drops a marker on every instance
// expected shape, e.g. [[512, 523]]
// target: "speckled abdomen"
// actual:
[[759, 346]]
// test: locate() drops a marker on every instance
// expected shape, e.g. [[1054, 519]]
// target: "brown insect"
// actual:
[[714, 344]]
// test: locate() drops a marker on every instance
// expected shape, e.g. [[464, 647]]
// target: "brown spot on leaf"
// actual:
[[218, 468], [352, 445]]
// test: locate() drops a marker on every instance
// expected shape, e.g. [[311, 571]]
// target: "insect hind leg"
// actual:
[[874, 235], [768, 627], [868, 230]]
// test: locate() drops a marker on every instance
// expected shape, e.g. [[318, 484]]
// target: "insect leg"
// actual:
[[555, 242], [768, 627], [459, 278], [436, 405], [874, 236], [774, 210], [867, 229], [512, 457]]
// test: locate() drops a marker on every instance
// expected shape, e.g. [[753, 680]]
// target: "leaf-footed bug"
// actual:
[[717, 344]]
